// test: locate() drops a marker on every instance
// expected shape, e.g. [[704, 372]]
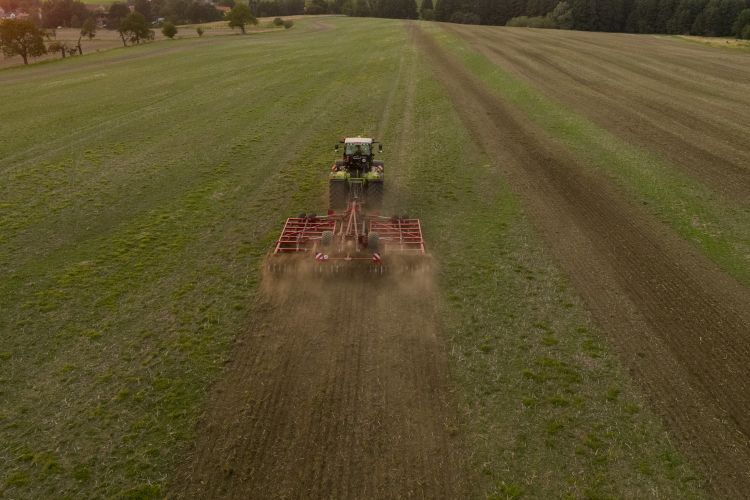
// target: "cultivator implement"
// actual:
[[350, 240]]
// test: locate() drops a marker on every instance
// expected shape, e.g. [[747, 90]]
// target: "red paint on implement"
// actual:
[[401, 236]]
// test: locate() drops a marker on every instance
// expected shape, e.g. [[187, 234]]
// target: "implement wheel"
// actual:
[[338, 195]]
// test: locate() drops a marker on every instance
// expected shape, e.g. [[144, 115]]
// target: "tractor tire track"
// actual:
[[679, 323], [338, 390]]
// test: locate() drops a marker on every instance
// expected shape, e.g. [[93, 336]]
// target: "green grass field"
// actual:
[[143, 186]]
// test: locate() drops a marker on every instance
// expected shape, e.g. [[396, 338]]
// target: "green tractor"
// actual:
[[357, 176]]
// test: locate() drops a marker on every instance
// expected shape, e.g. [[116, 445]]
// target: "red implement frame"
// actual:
[[299, 234], [400, 235], [395, 235]]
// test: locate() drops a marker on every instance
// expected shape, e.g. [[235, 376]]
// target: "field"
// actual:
[[107, 39], [583, 334]]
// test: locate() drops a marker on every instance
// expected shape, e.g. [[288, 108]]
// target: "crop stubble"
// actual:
[[338, 390]]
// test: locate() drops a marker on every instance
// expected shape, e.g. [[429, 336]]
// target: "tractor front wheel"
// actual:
[[338, 195], [375, 195]]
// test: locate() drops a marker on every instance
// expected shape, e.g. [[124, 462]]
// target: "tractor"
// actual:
[[352, 234], [357, 175]]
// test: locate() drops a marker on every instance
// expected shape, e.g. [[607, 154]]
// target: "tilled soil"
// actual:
[[338, 390], [687, 103], [680, 324]]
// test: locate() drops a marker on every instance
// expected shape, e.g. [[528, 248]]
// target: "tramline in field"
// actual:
[[352, 234]]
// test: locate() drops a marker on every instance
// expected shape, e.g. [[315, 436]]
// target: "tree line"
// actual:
[[693, 17], [393, 9], [22, 37], [689, 17], [25, 38], [72, 13]]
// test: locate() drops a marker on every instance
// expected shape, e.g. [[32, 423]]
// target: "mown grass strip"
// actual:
[[718, 228]]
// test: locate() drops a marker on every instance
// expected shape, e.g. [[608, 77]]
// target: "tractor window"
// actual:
[[357, 149]]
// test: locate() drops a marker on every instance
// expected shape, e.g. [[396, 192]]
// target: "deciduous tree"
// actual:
[[444, 9], [362, 8], [717, 18], [89, 28], [240, 16], [169, 30], [742, 21], [685, 15], [562, 16], [316, 7], [69, 13], [117, 12], [21, 38], [134, 28]]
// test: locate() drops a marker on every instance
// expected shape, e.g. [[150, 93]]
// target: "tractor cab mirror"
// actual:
[[380, 148], [336, 147]]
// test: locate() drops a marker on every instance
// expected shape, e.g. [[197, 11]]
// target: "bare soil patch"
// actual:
[[339, 389], [679, 322]]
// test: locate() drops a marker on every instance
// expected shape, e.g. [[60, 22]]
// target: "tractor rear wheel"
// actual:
[[375, 195], [338, 195]]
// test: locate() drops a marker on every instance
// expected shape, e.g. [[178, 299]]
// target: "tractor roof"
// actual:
[[358, 140]]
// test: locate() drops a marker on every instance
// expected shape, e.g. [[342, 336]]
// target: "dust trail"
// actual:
[[338, 389]]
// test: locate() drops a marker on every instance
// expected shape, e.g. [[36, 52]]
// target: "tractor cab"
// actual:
[[357, 175], [358, 154]]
